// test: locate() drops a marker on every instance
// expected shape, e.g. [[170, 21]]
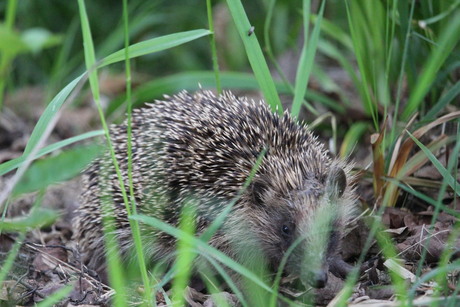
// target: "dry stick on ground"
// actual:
[[70, 269]]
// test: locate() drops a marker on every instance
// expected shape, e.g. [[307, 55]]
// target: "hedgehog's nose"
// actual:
[[319, 279]]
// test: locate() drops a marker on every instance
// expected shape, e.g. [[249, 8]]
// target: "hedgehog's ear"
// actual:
[[257, 189], [336, 183]]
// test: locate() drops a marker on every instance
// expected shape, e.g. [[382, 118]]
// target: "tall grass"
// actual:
[[113, 258], [255, 55], [306, 57]]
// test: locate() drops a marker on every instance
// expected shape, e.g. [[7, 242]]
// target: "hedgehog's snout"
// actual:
[[318, 278], [310, 276]]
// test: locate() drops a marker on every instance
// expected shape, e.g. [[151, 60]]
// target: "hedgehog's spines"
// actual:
[[203, 147]]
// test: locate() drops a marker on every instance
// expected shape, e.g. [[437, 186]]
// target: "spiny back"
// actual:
[[204, 146], [209, 144]]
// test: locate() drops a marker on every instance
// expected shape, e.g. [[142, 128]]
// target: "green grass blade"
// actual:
[[442, 15], [215, 63], [452, 165], [11, 13], [148, 293], [255, 55], [335, 53], [155, 45], [90, 56], [360, 36], [441, 169], [114, 270], [451, 94], [49, 113], [352, 137], [307, 57], [231, 284], [271, 56], [191, 81], [447, 41], [454, 266], [407, 59], [40, 132], [15, 163], [336, 32], [8, 263], [185, 255], [203, 247], [423, 197]]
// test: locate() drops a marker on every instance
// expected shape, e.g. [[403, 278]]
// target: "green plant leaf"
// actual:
[[441, 169], [12, 43], [185, 254], [57, 102], [451, 94], [38, 39], [334, 31], [155, 45], [306, 59], [90, 55], [353, 135], [64, 166], [255, 55], [15, 163], [49, 113], [35, 219]]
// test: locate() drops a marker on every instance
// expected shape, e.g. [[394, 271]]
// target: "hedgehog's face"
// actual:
[[304, 226]]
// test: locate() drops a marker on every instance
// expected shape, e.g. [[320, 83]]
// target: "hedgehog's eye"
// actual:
[[286, 230]]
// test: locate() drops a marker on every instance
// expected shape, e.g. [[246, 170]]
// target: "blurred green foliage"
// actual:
[[147, 19], [389, 41]]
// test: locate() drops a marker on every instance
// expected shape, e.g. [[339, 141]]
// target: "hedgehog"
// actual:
[[204, 147]]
